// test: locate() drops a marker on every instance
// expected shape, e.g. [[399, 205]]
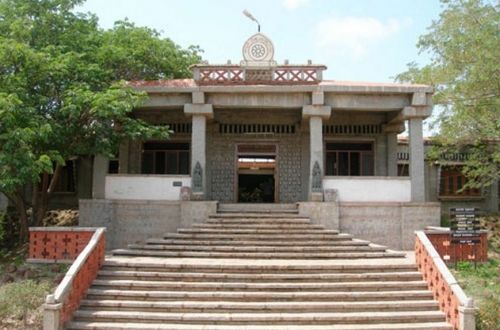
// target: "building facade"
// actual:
[[263, 132]]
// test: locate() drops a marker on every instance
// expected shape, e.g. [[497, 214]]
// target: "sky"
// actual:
[[358, 40]]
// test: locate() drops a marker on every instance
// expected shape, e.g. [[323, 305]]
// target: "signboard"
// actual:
[[465, 227]]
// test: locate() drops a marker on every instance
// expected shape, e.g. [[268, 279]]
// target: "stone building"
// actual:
[[444, 181], [259, 131]]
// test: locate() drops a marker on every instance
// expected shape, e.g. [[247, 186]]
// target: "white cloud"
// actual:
[[355, 36], [294, 4]]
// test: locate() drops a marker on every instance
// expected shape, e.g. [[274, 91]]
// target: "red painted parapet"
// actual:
[[440, 239], [57, 244], [459, 309], [60, 306]]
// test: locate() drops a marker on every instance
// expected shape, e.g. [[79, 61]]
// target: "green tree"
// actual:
[[63, 95], [464, 46]]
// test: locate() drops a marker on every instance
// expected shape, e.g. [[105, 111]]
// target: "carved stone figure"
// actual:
[[197, 178], [316, 178]]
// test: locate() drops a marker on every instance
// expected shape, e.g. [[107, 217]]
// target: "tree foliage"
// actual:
[[62, 91], [465, 70]]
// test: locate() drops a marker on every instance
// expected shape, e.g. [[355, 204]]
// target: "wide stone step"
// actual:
[[262, 296], [177, 326], [250, 248], [208, 266], [308, 243], [276, 286], [262, 318], [257, 215], [332, 236], [259, 231], [249, 277], [258, 207], [258, 255], [277, 226], [264, 221], [259, 307]]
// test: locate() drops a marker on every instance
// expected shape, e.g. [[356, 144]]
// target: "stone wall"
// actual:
[[221, 154], [131, 221], [390, 224]]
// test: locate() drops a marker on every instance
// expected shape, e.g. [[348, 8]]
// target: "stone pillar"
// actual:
[[99, 171], [315, 114], [416, 160], [199, 113], [123, 157], [392, 154], [198, 152], [51, 314], [466, 318], [316, 158]]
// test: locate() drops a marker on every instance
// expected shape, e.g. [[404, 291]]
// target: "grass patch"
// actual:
[[20, 303], [483, 285]]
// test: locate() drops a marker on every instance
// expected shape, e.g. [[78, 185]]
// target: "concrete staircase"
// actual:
[[254, 269]]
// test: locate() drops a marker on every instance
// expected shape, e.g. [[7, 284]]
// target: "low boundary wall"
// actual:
[[60, 306], [440, 239], [57, 244], [458, 308]]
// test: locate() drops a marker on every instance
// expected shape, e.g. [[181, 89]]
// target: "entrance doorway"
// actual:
[[256, 174]]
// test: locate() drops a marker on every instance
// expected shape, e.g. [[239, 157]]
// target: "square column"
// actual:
[[99, 171], [315, 114], [392, 154], [199, 114], [416, 160]]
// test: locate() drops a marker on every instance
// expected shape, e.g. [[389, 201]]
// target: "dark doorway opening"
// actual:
[[256, 188], [256, 178]]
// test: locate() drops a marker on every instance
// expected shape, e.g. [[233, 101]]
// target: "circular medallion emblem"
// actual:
[[258, 48], [258, 51]]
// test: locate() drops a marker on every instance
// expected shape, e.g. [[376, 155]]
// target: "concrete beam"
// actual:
[[409, 113], [206, 110], [364, 102], [258, 100], [417, 112], [419, 99], [393, 128], [321, 111], [318, 98], [158, 101], [198, 97]]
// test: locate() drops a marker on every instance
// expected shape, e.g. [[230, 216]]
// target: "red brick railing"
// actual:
[[60, 306], [440, 239], [57, 244], [458, 308]]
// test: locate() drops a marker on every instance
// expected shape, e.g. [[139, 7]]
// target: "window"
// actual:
[[113, 166], [403, 170], [452, 181], [165, 158], [350, 159]]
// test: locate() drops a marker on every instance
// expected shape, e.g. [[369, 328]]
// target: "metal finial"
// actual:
[[249, 15]]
